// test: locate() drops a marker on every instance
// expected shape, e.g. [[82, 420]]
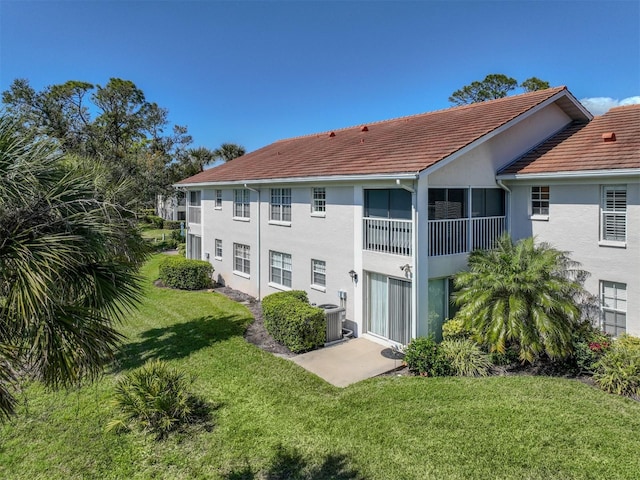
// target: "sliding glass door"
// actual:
[[389, 307]]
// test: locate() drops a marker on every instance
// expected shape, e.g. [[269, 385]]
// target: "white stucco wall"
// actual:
[[328, 238], [479, 166], [574, 225]]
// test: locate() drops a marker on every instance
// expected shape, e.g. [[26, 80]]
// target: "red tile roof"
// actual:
[[584, 147], [402, 145]]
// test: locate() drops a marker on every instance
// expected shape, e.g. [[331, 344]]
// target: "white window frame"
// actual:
[[218, 201], [194, 209], [242, 260], [614, 303], [280, 206], [613, 215], [278, 263], [241, 204], [319, 272], [538, 194], [218, 249], [318, 202]]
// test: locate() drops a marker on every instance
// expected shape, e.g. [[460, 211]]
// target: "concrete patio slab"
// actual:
[[349, 362]]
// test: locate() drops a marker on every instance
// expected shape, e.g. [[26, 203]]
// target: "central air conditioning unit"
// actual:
[[335, 315]]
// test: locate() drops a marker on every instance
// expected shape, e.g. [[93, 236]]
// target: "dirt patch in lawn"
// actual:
[[256, 333]]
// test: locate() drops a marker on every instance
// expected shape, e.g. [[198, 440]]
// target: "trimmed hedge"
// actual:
[[290, 319], [172, 224], [157, 222], [185, 274]]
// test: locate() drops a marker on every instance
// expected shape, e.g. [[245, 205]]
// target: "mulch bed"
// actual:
[[255, 333]]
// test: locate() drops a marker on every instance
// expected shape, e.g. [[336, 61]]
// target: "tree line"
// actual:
[[117, 127]]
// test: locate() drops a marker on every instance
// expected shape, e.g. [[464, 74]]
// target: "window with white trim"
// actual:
[[281, 204], [613, 300], [242, 258], [281, 268], [318, 200], [218, 204], [195, 200], [241, 203], [218, 248], [318, 273], [540, 201], [614, 213]]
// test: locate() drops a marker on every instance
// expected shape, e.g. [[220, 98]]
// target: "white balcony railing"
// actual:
[[461, 235], [194, 215], [388, 236]]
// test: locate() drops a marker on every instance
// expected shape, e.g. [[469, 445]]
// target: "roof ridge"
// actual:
[[422, 114]]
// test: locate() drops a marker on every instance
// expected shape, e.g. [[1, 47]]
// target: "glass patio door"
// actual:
[[389, 307]]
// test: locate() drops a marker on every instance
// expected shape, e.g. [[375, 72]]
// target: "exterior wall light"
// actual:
[[353, 275]]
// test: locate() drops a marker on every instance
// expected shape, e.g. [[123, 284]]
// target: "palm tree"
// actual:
[[229, 151], [522, 295], [69, 257], [200, 157]]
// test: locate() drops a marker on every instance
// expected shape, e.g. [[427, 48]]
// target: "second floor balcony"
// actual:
[[446, 237]]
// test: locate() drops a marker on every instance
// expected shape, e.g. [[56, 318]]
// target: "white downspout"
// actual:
[[258, 237], [508, 212]]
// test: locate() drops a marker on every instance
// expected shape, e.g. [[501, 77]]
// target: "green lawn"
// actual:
[[275, 420], [156, 233]]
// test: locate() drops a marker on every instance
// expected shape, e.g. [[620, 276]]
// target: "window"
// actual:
[[241, 258], [218, 251], [194, 244], [281, 204], [487, 202], [194, 198], [447, 203], [280, 268], [614, 213], [318, 200], [241, 203], [387, 203], [613, 299], [319, 273], [218, 204], [540, 201], [195, 215]]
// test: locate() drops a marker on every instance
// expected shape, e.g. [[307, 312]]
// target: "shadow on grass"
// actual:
[[288, 463], [178, 341]]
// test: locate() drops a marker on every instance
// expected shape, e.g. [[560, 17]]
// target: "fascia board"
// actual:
[[628, 172], [306, 180]]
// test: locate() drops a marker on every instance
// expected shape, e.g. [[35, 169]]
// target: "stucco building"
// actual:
[[378, 217]]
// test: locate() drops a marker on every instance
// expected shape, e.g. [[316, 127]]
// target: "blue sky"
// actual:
[[255, 72]]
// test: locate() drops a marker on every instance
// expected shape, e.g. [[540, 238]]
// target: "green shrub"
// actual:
[[455, 329], [424, 356], [589, 345], [172, 224], [155, 221], [185, 274], [290, 319], [509, 357], [177, 236], [156, 399], [465, 358], [144, 212], [618, 371], [163, 245], [182, 249]]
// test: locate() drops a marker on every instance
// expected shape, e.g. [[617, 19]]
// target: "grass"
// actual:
[[156, 234], [275, 420]]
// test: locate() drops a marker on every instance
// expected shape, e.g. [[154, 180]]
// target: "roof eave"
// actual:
[[622, 172], [314, 179]]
